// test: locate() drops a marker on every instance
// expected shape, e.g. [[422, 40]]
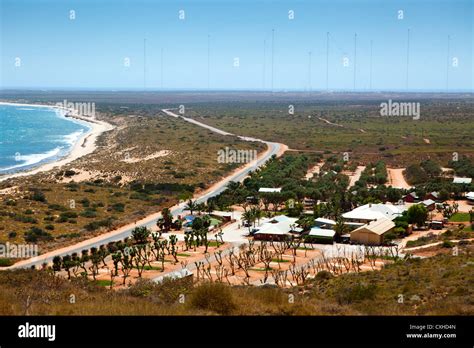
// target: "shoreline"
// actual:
[[84, 145]]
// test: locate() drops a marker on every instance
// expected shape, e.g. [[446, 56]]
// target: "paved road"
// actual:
[[150, 221]]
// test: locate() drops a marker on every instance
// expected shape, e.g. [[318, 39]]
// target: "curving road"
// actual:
[[149, 221]]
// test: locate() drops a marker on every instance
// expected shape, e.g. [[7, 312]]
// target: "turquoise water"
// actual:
[[30, 136]]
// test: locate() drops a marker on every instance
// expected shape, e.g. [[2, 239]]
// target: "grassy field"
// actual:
[[459, 217], [444, 127], [441, 285]]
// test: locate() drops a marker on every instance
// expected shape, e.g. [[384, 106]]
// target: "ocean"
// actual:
[[32, 135]]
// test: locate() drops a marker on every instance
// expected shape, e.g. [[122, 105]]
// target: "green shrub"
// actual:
[[38, 196], [447, 244], [36, 234], [4, 262]]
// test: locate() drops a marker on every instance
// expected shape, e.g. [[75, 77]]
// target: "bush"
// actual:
[[4, 262], [36, 234], [213, 297], [38, 196], [447, 244], [12, 235], [120, 207], [348, 293], [323, 275], [89, 213], [68, 173]]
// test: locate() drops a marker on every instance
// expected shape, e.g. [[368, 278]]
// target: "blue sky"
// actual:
[[90, 51]]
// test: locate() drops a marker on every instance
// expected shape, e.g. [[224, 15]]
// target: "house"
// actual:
[[412, 197], [324, 223], [373, 232], [320, 235], [470, 197], [433, 196], [269, 190], [370, 212], [466, 181], [278, 228], [429, 204]]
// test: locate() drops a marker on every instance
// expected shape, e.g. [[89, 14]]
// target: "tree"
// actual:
[[140, 234], [340, 228], [200, 207], [417, 214], [57, 263], [249, 217], [166, 221], [191, 206]]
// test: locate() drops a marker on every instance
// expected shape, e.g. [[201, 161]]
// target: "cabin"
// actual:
[[429, 204], [278, 228], [373, 232], [412, 197], [464, 181], [324, 223], [434, 196], [470, 197], [269, 190], [320, 235]]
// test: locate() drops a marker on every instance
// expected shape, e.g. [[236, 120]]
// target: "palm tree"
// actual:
[[257, 213], [249, 217], [191, 206], [210, 207], [340, 228], [200, 207], [166, 221]]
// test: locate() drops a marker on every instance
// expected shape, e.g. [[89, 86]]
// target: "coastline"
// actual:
[[84, 145]]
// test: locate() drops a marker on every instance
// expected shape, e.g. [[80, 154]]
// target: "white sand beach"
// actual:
[[84, 145]]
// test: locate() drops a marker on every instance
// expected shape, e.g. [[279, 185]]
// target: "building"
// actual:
[[429, 204], [373, 232], [466, 181], [321, 235], [370, 212], [269, 190], [412, 197], [470, 197], [433, 196], [324, 223], [278, 228]]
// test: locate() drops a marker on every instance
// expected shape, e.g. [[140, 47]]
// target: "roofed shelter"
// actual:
[[373, 232]]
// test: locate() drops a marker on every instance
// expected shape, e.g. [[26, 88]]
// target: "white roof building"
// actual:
[[280, 225], [269, 189], [321, 232], [323, 221], [462, 180], [369, 212], [428, 202]]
